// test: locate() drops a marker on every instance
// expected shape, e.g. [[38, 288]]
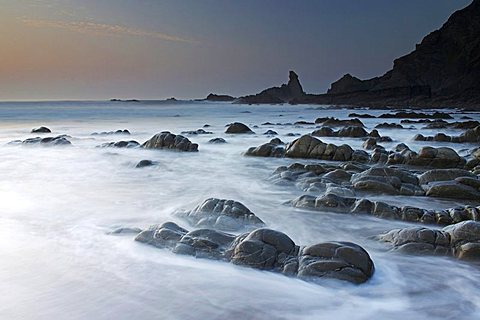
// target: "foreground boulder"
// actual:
[[266, 249], [227, 215], [167, 140], [41, 130], [461, 240], [335, 203], [238, 128]]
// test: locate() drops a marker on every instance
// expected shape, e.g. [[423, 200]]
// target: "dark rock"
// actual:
[[48, 141], [237, 127], [416, 115], [287, 93], [334, 122], [266, 249], [270, 132], [121, 144], [362, 115], [145, 163], [219, 98], [217, 140], [41, 130], [227, 215], [196, 132], [167, 140], [107, 133], [387, 125]]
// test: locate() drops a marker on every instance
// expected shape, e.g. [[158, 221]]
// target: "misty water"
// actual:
[[58, 205]]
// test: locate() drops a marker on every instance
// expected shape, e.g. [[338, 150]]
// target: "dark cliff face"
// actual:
[[284, 94], [444, 69]]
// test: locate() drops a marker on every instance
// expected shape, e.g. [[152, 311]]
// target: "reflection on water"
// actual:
[[57, 204]]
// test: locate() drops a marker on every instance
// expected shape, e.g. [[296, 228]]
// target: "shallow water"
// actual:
[[57, 205]]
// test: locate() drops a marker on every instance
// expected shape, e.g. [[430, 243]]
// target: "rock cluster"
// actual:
[[107, 133], [120, 144], [266, 249], [335, 122], [47, 141], [348, 205], [469, 136], [461, 240]]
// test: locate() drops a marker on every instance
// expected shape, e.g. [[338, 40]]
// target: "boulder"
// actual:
[[41, 130], [48, 141], [227, 215], [120, 144], [217, 141], [238, 128], [167, 140]]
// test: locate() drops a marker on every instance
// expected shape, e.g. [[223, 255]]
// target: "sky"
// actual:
[[157, 49]]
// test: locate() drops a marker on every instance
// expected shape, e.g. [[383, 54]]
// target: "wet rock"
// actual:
[[266, 249], [428, 157], [227, 215], [334, 122], [238, 128], [453, 190], [351, 132], [167, 140], [360, 115], [443, 175], [196, 132], [469, 136], [48, 141], [350, 205], [270, 132], [370, 144], [41, 130], [273, 148], [387, 180], [107, 133], [461, 240], [217, 141], [145, 163], [121, 144], [387, 125], [416, 115], [310, 147], [452, 125]]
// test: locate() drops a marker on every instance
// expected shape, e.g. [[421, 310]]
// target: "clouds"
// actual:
[[102, 29]]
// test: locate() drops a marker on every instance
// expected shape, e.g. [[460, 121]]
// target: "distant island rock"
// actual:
[[442, 71], [219, 98], [284, 94]]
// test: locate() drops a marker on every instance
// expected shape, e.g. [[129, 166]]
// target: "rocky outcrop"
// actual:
[[167, 140], [451, 183], [41, 130], [348, 205], [219, 98], [442, 71], [387, 180], [387, 125], [266, 249], [461, 240], [221, 214], [469, 136], [238, 128], [452, 125], [287, 93]]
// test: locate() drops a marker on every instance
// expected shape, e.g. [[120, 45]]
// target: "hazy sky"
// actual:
[[100, 49]]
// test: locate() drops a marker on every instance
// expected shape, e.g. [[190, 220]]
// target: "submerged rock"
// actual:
[[121, 144], [461, 240], [227, 215], [145, 163], [266, 249], [48, 141], [217, 141], [197, 132], [41, 130], [238, 128], [167, 140], [107, 133]]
